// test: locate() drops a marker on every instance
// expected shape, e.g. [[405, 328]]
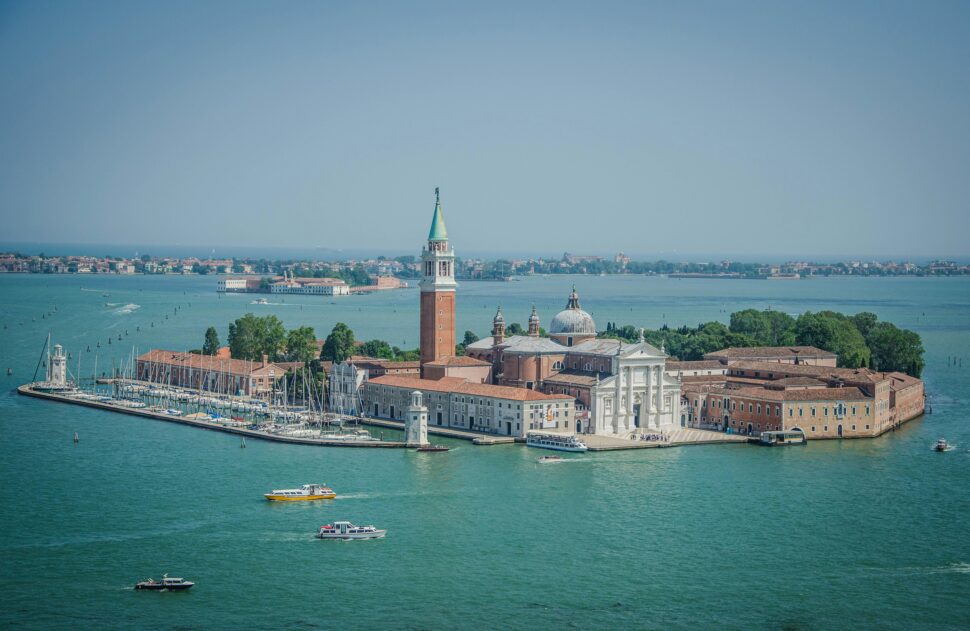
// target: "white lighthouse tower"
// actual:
[[57, 367], [416, 426]]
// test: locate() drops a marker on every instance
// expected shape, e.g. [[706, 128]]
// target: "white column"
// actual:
[[648, 394], [617, 401], [629, 399]]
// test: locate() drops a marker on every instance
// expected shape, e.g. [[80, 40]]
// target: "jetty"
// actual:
[[30, 391]]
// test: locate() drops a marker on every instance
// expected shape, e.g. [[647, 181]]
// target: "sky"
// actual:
[[658, 129]]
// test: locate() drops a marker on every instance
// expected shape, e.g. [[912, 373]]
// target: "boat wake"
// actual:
[[128, 308], [952, 568]]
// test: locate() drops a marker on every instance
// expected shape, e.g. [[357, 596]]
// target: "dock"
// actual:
[[27, 390]]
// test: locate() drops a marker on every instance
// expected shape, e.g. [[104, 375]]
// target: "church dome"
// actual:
[[572, 319]]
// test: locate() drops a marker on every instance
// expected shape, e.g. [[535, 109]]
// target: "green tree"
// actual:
[[377, 348], [514, 329], [301, 345], [895, 349], [765, 328], [250, 337], [339, 345], [864, 321], [834, 332], [211, 344]]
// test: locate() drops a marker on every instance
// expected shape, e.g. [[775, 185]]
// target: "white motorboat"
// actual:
[[941, 445], [559, 442], [549, 459], [346, 530]]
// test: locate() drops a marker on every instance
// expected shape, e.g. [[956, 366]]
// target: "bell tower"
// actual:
[[437, 291]]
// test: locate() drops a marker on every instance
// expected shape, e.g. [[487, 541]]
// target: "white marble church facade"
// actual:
[[639, 397]]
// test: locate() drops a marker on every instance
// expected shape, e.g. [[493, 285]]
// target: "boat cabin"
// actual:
[[788, 437]]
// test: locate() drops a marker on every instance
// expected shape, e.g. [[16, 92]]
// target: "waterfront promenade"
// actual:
[[595, 443]]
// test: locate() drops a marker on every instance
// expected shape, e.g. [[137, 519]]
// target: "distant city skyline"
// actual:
[[750, 131]]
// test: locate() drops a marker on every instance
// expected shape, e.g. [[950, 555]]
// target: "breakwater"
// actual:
[[29, 391]]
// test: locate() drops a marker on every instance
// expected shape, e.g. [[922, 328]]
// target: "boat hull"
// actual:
[[379, 534], [162, 588], [303, 498], [559, 448]]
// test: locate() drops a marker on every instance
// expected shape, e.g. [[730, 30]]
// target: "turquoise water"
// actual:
[[852, 534]]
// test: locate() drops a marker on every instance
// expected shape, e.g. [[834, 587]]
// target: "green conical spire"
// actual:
[[438, 231]]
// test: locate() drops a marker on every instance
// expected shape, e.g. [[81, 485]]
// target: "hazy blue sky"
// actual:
[[653, 128]]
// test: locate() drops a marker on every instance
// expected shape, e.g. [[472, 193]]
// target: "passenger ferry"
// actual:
[[771, 439], [346, 530], [556, 441], [305, 492]]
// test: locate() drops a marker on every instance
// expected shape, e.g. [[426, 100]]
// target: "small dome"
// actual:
[[498, 316], [573, 319]]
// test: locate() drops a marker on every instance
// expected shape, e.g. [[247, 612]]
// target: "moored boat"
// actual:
[[169, 584], [433, 448], [347, 530], [556, 441], [941, 445], [304, 493], [774, 438]]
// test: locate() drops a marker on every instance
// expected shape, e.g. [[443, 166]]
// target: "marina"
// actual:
[[205, 422]]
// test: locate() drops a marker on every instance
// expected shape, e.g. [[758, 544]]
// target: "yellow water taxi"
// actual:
[[304, 493]]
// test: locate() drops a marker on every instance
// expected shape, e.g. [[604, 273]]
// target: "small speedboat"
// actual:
[[171, 584], [941, 445], [346, 530], [549, 459], [305, 492], [433, 448]]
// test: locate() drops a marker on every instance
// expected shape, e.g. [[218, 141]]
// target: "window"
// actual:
[[791, 412], [825, 411], [853, 410], [867, 427], [853, 428], [813, 411], [751, 407], [825, 428], [813, 428]]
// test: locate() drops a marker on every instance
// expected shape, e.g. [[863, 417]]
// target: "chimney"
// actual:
[[265, 360]]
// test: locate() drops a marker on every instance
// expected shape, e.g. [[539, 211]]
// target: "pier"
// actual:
[[27, 390]]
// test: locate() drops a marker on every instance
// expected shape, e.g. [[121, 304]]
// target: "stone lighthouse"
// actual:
[[416, 426], [57, 367], [437, 291]]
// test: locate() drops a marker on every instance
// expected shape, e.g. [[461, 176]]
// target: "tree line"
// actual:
[[859, 340]]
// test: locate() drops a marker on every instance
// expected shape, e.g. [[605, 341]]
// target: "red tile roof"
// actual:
[[458, 360], [736, 352], [210, 362], [457, 385]]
